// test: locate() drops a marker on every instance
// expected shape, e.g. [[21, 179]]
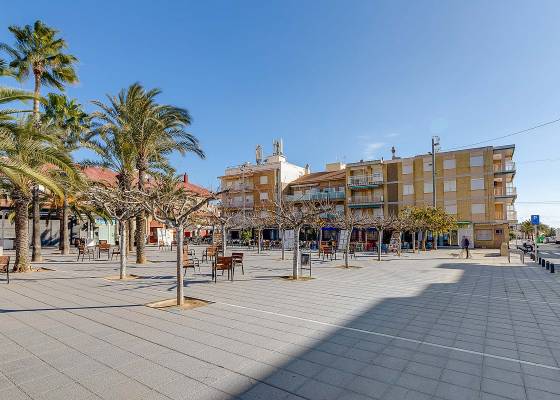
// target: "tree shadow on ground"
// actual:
[[455, 339]]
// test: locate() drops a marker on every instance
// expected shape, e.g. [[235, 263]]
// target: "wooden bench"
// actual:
[[5, 264]]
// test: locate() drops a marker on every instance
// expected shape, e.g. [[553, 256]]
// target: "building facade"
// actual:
[[256, 186], [475, 185]]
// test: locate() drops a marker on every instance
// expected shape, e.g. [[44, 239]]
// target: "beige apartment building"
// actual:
[[255, 186], [475, 185]]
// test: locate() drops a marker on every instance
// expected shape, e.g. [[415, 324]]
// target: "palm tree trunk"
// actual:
[[180, 297], [140, 224], [36, 96], [21, 205], [36, 256], [64, 235], [130, 233]]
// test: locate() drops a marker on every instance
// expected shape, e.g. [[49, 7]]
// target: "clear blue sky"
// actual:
[[337, 80]]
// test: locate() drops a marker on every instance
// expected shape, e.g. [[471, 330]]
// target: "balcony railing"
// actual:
[[365, 180], [334, 195], [510, 216], [240, 187], [365, 200], [238, 204], [508, 166], [509, 191]]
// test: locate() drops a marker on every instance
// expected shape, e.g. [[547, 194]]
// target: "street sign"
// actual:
[[535, 220]]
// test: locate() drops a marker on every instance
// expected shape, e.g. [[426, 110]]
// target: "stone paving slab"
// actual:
[[422, 326]]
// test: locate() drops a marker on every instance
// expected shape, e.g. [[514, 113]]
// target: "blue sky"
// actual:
[[337, 80]]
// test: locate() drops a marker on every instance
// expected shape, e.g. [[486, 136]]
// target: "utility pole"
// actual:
[[435, 147]]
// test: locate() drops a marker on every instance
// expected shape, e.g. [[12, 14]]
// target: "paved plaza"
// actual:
[[419, 327]]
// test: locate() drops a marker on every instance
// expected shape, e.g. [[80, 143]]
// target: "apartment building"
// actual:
[[256, 186], [475, 185]]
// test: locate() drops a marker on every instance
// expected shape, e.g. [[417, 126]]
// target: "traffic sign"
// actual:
[[535, 220]]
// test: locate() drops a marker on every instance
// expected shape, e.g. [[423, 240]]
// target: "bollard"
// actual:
[[551, 268], [548, 265], [542, 262], [532, 256]]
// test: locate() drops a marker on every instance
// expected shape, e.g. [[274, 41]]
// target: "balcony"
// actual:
[[237, 204], [240, 188], [317, 196], [365, 181], [510, 216], [509, 191], [506, 168], [365, 201]]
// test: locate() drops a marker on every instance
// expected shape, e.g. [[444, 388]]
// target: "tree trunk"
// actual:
[[36, 256], [283, 237], [413, 242], [349, 236], [434, 237], [224, 240], [320, 240], [122, 247], [399, 244], [379, 244], [424, 237], [258, 241], [180, 297], [141, 224], [36, 96], [296, 260], [64, 234], [21, 205], [130, 233]]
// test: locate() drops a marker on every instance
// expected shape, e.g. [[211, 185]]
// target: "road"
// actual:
[[549, 251]]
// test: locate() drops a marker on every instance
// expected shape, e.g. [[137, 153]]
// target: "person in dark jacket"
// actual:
[[465, 243]]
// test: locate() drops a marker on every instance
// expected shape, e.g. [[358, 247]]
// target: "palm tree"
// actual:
[[38, 51], [37, 150], [8, 95], [155, 131], [70, 117]]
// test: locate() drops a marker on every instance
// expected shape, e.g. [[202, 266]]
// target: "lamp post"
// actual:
[[435, 147]]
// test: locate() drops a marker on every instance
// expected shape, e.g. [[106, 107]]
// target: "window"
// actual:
[[450, 186], [477, 161], [478, 208], [477, 183], [427, 165], [428, 187], [264, 179], [451, 208], [408, 189], [449, 163], [484, 234], [407, 169], [264, 195]]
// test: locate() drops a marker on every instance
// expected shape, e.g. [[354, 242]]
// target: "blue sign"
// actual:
[[535, 220]]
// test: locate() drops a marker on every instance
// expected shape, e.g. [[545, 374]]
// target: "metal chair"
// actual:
[[223, 264], [238, 260]]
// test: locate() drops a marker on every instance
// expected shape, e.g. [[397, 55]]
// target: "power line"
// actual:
[[535, 161], [508, 135]]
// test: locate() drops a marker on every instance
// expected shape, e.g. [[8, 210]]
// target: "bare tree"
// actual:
[[171, 204], [119, 204], [225, 220], [259, 220], [380, 223], [295, 216], [349, 221]]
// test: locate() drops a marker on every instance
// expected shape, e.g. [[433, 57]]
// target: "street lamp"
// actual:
[[435, 147]]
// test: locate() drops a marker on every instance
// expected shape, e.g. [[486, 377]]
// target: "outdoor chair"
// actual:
[[115, 251], [190, 262], [5, 265], [209, 254], [328, 252], [223, 264], [102, 242], [238, 260], [84, 250], [173, 243], [104, 247], [351, 251]]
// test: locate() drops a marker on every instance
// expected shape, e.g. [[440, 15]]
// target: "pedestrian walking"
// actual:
[[465, 243]]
